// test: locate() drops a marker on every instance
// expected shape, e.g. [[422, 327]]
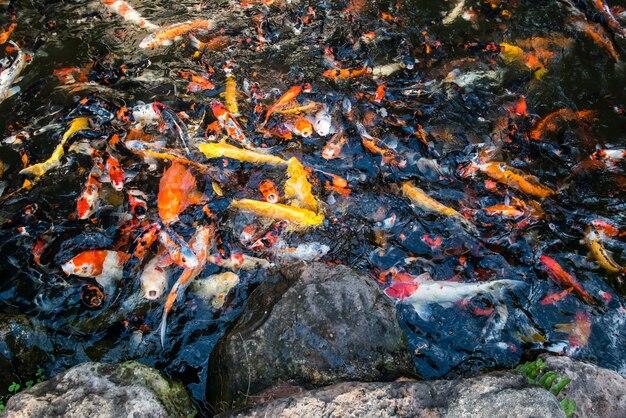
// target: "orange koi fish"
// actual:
[[302, 127], [289, 96], [116, 173], [376, 146], [342, 74], [200, 244], [129, 14], [267, 189], [561, 277], [177, 190], [553, 298], [597, 34], [506, 211], [216, 43], [167, 35], [516, 179], [196, 83], [4, 36], [145, 240], [380, 93], [605, 11], [87, 202], [102, 265], [551, 122]]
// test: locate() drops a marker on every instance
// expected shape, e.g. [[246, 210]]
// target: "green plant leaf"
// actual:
[[14, 387], [569, 407], [556, 389], [547, 379]]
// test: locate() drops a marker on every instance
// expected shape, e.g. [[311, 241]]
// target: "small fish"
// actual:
[[345, 73], [297, 216], [423, 291], [4, 36], [306, 252], [230, 95], [228, 123], [551, 122], [562, 278], [593, 241], [215, 287], [116, 173], [516, 179], [9, 75], [333, 147], [87, 202], [177, 190], [298, 189], [302, 127], [166, 36], [579, 330], [612, 157], [289, 96], [380, 93], [376, 146], [220, 149], [455, 13], [197, 83], [323, 122], [553, 298], [102, 265], [129, 14], [505, 211], [154, 279], [239, 262]]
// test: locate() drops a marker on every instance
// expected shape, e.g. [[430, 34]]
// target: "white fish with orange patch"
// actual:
[[154, 278], [102, 265], [88, 200], [129, 14]]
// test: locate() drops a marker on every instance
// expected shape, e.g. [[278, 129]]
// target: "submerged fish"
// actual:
[[154, 278], [220, 149], [9, 75], [166, 36], [289, 96], [563, 278], [593, 241], [423, 292], [102, 265], [516, 179], [129, 14], [296, 216], [215, 287], [578, 331]]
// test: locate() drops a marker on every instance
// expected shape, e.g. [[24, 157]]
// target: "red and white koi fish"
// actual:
[[239, 261], [129, 14], [154, 278], [228, 123], [102, 265], [200, 244], [88, 201], [424, 291], [306, 252], [137, 201], [116, 173], [167, 35], [333, 147], [612, 157], [178, 249]]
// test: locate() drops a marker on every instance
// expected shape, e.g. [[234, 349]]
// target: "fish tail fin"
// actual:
[[163, 327], [497, 287]]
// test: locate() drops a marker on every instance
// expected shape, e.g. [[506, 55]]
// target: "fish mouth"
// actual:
[[152, 294]]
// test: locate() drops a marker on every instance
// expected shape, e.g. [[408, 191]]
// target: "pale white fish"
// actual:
[[306, 252], [9, 75], [323, 122], [215, 287], [154, 278], [128, 13], [454, 14]]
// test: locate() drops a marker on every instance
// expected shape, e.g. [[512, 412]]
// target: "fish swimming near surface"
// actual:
[[102, 265], [128, 13], [563, 278], [298, 217], [177, 190], [153, 279], [424, 291], [10, 75], [167, 35]]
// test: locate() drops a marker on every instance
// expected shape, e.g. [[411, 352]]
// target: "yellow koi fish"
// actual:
[[220, 149], [230, 95], [298, 216], [298, 188], [597, 250], [428, 204], [516, 179], [39, 169]]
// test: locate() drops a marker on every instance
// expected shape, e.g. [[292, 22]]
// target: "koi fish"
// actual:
[[116, 173], [266, 241], [553, 298], [196, 83], [4, 36], [423, 292], [216, 43], [102, 265], [298, 216], [39, 169], [612, 157], [239, 262], [219, 149], [333, 147], [177, 190], [146, 149], [230, 95], [289, 96], [154, 279], [605, 11], [380, 93], [228, 123], [200, 245], [579, 330], [597, 34], [516, 179], [323, 122], [180, 252], [215, 288], [302, 127], [267, 189], [298, 188], [550, 123], [454, 14], [129, 14], [145, 240], [428, 204], [506, 211], [345, 73], [9, 75], [562, 278], [376, 146], [167, 35], [305, 252], [87, 202], [592, 240]]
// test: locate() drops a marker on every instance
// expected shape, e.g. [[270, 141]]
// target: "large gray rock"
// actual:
[[96, 390], [598, 392], [493, 395], [310, 326]]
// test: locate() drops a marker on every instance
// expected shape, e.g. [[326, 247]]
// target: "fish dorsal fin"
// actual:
[[197, 198]]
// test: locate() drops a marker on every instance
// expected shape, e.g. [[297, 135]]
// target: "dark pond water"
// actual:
[[459, 91]]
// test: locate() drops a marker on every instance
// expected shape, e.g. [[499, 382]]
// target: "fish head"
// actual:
[[303, 128], [219, 109], [401, 290]]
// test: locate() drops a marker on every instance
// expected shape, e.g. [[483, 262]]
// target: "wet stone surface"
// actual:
[[313, 325]]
